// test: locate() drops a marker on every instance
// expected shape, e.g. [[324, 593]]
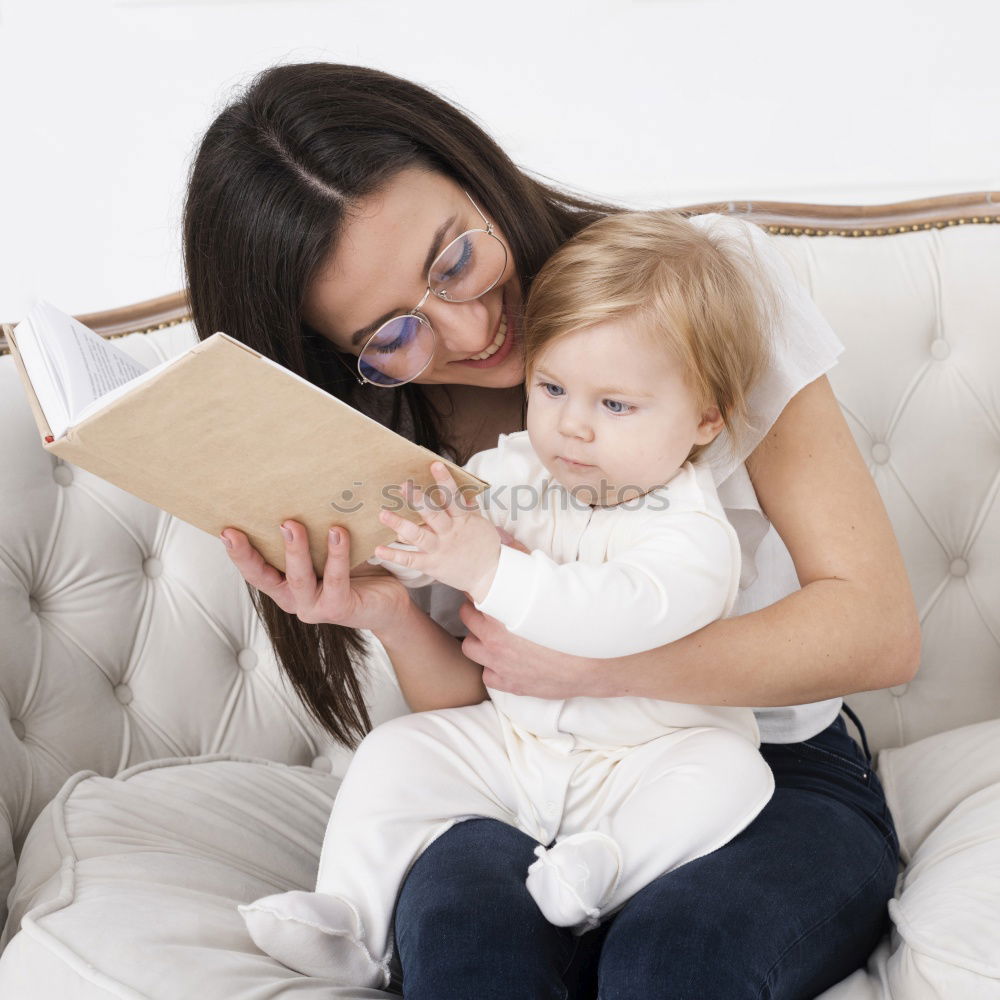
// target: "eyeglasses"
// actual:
[[466, 269]]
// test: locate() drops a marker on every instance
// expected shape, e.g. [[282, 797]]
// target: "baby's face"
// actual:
[[610, 414]]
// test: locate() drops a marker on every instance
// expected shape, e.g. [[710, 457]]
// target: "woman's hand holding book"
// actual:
[[371, 601]]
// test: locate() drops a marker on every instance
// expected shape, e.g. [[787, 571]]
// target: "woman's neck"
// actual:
[[473, 417]]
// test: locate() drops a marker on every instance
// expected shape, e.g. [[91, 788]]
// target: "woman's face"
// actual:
[[379, 269]]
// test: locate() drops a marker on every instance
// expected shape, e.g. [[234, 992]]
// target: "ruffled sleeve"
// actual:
[[803, 347]]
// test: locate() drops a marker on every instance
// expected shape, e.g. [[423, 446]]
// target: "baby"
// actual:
[[644, 335]]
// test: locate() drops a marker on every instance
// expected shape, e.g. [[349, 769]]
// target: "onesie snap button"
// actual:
[[152, 567], [940, 349], [880, 452], [898, 691], [247, 659], [63, 475], [123, 693], [958, 567]]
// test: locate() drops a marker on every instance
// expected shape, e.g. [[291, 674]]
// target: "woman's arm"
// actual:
[[671, 575], [430, 666], [852, 627]]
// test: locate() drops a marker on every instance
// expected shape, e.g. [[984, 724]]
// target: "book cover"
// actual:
[[222, 436]]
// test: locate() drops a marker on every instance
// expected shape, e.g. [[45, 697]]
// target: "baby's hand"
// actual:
[[455, 544]]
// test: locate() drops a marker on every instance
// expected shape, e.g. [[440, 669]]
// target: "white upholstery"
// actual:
[[944, 792], [919, 383], [128, 638]]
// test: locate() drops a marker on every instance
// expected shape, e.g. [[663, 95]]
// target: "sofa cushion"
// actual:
[[925, 781], [944, 792], [128, 886]]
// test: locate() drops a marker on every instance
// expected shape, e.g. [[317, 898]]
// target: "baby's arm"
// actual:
[[677, 577]]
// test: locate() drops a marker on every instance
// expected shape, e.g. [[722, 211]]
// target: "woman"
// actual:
[[329, 209]]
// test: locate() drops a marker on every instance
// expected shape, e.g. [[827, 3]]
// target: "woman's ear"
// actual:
[[710, 426]]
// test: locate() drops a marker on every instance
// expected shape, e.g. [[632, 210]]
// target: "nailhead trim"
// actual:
[[882, 231]]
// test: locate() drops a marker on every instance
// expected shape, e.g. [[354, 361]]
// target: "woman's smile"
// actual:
[[499, 347]]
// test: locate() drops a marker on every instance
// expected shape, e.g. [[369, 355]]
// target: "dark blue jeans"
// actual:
[[786, 909]]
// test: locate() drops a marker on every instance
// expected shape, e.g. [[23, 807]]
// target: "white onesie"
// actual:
[[626, 788], [604, 582]]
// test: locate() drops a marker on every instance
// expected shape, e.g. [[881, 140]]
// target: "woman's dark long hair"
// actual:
[[267, 195]]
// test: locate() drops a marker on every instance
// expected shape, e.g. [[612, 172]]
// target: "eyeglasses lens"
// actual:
[[398, 352], [468, 267]]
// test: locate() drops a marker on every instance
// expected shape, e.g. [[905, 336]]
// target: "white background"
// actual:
[[650, 102]]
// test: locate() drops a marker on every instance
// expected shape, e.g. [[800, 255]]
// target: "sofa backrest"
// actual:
[[127, 635], [919, 384]]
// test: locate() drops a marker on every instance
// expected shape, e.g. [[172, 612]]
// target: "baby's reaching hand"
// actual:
[[456, 544]]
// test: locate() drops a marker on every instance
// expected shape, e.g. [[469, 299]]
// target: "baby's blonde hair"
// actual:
[[699, 291]]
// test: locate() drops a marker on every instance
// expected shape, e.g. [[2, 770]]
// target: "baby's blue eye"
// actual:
[[617, 406], [552, 389]]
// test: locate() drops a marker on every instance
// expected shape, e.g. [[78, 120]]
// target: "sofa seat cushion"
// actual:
[[160, 856], [128, 886], [944, 792]]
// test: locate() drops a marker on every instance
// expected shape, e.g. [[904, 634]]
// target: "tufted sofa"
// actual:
[[156, 770]]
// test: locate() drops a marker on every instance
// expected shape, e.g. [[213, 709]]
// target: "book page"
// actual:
[[88, 364], [45, 380], [125, 387], [82, 366]]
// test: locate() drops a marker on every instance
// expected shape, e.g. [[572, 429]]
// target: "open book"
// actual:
[[219, 436]]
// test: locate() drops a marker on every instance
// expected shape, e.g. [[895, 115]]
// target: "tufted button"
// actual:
[[323, 764], [247, 659], [123, 693], [940, 349], [18, 726], [880, 452], [958, 567], [152, 567], [34, 605], [899, 690], [63, 475]]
